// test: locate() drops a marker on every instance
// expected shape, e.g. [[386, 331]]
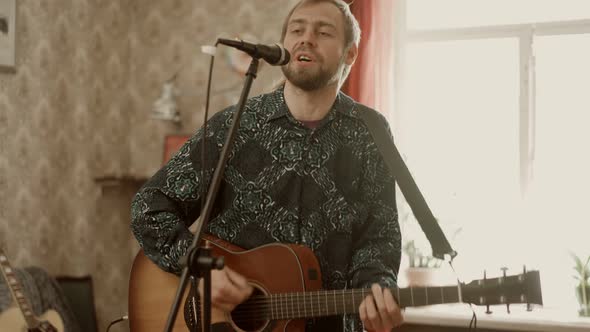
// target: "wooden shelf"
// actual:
[[120, 180]]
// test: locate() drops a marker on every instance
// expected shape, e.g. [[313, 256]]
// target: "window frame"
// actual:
[[525, 33]]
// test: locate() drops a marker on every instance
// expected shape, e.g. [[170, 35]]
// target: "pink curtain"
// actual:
[[371, 79]]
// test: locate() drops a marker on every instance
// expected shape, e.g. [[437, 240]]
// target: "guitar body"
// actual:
[[271, 269], [151, 292], [287, 283], [12, 319]]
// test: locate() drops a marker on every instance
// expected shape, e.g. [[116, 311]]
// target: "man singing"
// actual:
[[304, 169]]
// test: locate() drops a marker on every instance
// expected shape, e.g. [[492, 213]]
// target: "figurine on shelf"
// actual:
[[165, 108]]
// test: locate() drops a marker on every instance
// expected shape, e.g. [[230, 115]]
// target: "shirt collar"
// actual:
[[342, 105]]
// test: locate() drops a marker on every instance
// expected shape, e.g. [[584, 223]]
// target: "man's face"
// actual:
[[315, 39]]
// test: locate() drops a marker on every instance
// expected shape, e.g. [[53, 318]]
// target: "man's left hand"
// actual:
[[379, 311]]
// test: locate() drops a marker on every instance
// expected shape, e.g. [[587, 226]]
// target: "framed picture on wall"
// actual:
[[7, 34]]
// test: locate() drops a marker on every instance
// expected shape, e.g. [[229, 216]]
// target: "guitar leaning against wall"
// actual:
[[20, 317], [287, 283]]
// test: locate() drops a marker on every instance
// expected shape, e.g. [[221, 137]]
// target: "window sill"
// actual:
[[117, 180], [459, 315], [110, 182]]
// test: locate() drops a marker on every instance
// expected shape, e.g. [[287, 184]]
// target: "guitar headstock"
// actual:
[[521, 288]]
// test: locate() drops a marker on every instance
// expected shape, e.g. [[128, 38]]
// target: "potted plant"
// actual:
[[582, 276], [417, 259], [421, 269]]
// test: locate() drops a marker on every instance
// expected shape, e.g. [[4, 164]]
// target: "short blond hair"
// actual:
[[352, 30]]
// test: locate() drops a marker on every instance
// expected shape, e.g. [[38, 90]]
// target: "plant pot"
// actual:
[[584, 306], [420, 276]]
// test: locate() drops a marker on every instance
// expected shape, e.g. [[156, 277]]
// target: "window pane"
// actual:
[[459, 133], [428, 14], [560, 192]]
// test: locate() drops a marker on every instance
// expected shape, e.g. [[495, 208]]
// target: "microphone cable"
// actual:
[[211, 50], [473, 321], [118, 320]]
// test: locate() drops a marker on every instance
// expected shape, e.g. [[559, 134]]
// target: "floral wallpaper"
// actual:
[[167, 39], [77, 109]]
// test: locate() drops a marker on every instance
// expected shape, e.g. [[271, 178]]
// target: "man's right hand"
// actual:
[[228, 289]]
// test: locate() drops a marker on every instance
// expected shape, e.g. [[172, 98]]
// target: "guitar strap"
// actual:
[[378, 130]]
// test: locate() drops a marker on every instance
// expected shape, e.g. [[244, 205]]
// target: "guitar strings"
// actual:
[[294, 305], [268, 307], [313, 296], [321, 293], [262, 307], [319, 296]]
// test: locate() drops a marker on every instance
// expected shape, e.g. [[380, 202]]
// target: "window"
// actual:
[[428, 14], [493, 118]]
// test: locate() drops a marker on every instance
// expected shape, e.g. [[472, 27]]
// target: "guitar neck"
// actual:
[[337, 302], [17, 291]]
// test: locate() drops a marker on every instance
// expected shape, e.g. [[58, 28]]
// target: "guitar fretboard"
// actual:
[[17, 291], [336, 302]]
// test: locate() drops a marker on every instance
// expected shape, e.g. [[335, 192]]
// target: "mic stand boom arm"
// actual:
[[203, 265]]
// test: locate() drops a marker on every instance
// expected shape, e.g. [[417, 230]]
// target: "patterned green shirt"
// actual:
[[327, 188]]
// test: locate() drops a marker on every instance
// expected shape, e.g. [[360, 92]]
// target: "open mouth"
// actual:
[[304, 58]]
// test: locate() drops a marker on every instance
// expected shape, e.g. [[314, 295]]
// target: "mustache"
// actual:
[[306, 50]]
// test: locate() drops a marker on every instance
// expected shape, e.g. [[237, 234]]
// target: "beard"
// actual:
[[310, 79]]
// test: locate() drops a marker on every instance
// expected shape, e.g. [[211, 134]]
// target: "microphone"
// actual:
[[275, 55]]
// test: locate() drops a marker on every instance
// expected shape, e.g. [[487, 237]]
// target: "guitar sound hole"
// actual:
[[251, 315]]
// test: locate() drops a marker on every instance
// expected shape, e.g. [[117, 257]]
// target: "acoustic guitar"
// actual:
[[20, 318], [287, 283]]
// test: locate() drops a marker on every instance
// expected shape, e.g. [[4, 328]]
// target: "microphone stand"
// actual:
[[198, 261]]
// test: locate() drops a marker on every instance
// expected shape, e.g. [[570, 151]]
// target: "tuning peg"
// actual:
[[503, 278], [529, 306], [504, 269], [484, 281]]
